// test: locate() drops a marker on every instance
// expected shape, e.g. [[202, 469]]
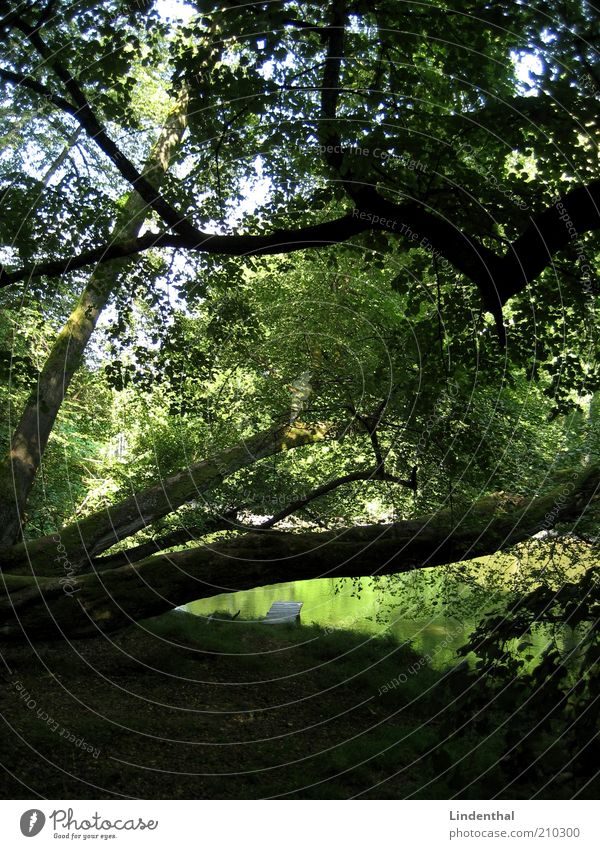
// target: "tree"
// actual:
[[31, 434], [371, 131]]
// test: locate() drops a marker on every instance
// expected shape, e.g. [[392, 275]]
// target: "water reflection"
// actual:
[[396, 604], [333, 605]]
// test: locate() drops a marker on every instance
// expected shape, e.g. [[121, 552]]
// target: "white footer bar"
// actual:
[[298, 824]]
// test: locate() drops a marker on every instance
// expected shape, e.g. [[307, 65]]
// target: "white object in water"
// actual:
[[283, 611]]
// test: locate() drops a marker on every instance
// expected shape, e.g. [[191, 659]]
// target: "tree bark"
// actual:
[[86, 539], [31, 435], [84, 606]]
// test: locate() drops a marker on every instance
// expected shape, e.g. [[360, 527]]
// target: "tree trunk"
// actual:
[[79, 543], [31, 435], [83, 606]]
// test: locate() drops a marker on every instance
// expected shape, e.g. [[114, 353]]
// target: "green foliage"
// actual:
[[559, 683], [380, 337], [196, 352]]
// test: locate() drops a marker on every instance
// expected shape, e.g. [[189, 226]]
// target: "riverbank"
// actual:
[[178, 707]]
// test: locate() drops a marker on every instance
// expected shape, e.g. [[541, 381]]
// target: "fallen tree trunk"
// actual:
[[85, 605], [80, 543]]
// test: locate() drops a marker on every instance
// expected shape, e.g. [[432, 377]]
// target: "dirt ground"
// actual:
[[178, 708]]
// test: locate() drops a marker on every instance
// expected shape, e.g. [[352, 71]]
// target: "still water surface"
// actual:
[[375, 612], [416, 613]]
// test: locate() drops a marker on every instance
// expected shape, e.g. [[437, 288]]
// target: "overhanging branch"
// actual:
[[497, 277], [181, 536], [370, 475]]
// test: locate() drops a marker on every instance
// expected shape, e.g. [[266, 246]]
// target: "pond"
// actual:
[[415, 608], [333, 604]]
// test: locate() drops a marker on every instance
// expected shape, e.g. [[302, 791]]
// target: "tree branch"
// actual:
[[25, 81], [370, 475], [370, 424], [84, 114], [575, 213], [174, 538], [498, 278], [278, 242], [45, 14]]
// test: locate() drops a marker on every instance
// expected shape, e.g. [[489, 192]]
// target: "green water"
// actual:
[[375, 612], [424, 608]]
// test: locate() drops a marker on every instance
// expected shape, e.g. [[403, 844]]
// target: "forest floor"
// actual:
[[176, 707]]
